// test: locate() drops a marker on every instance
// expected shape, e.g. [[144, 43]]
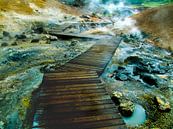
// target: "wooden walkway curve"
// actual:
[[74, 97]]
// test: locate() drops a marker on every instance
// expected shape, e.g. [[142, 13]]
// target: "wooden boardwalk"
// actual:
[[74, 97]]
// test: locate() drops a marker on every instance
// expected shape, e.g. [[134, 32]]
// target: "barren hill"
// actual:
[[159, 23], [23, 6]]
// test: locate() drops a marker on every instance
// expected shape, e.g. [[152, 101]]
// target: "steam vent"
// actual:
[[86, 64]]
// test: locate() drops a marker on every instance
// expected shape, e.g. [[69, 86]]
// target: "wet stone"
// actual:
[[158, 71], [132, 60], [5, 33], [162, 103], [35, 40], [53, 38], [116, 97], [21, 36], [38, 29], [4, 44], [121, 77], [73, 43], [48, 68], [141, 69], [149, 79], [121, 68], [19, 56], [14, 44], [126, 108]]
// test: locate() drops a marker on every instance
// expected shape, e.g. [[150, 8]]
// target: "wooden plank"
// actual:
[[45, 102], [72, 92], [82, 103], [86, 123], [71, 35], [113, 127], [49, 83], [66, 87]]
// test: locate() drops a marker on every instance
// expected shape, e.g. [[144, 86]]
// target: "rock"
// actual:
[[2, 125], [35, 40], [145, 35], [48, 68], [50, 38], [14, 44], [5, 33], [141, 69], [116, 97], [21, 36], [149, 79], [19, 56], [121, 68], [73, 43], [132, 60], [38, 29], [125, 39], [4, 44], [121, 77], [85, 16], [48, 42], [162, 103], [126, 108], [158, 71], [53, 38], [111, 75], [65, 56]]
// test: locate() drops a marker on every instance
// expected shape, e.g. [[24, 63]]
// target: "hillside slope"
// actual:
[[23, 6], [158, 22], [14, 14]]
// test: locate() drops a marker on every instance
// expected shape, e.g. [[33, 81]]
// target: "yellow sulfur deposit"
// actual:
[[25, 102]]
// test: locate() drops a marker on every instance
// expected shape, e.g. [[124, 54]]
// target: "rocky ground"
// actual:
[[142, 73]]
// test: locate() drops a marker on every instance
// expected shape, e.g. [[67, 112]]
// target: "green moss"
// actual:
[[153, 4]]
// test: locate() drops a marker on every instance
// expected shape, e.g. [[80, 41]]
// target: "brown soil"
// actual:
[[159, 23], [8, 20], [22, 6]]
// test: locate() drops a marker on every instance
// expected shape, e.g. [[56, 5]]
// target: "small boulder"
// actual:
[[162, 103], [133, 60], [141, 69], [20, 36], [149, 79], [73, 43], [14, 44], [4, 44], [38, 29], [53, 38], [35, 40], [116, 97], [121, 77], [48, 68], [126, 108], [6, 34]]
